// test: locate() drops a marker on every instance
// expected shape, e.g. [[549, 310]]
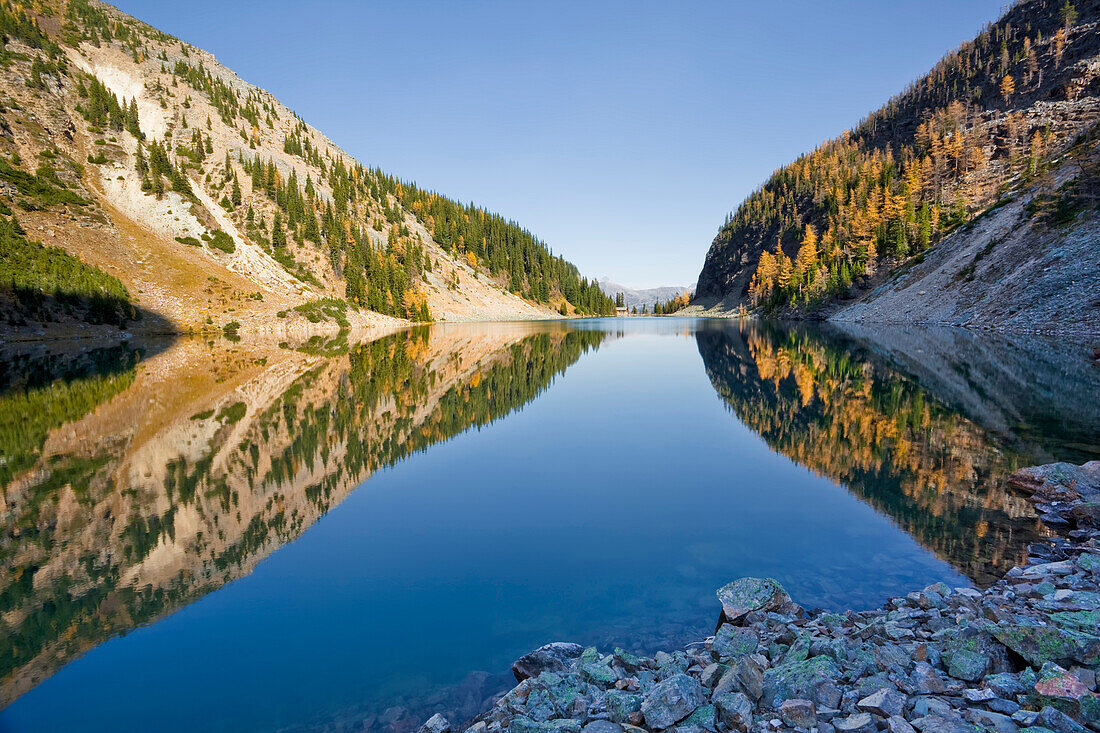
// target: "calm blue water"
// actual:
[[607, 510]]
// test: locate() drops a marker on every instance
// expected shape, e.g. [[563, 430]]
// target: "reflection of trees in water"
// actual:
[[120, 532], [845, 414]]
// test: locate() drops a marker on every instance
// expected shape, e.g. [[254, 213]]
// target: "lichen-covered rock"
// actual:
[[1042, 644], [602, 726], [1056, 682], [705, 718], [746, 595], [798, 679], [523, 724], [672, 700], [620, 704], [559, 656], [735, 710], [734, 641], [968, 665]]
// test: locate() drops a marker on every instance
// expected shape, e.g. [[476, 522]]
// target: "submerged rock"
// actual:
[[1024, 653]]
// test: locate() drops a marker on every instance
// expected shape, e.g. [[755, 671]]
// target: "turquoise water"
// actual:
[[604, 502]]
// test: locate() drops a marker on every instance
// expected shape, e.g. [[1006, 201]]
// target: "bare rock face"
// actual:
[[558, 656], [746, 595]]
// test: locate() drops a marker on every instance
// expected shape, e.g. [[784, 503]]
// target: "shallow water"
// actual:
[[260, 537]]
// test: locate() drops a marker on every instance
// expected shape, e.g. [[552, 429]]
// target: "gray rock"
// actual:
[[798, 680], [599, 673], [1000, 705], [734, 641], [885, 702], [941, 724], [983, 695], [857, 723], [559, 656], [621, 704], [798, 713], [602, 726], [748, 595], [995, 721], [749, 676], [734, 710], [672, 700], [436, 724], [1058, 721], [925, 706], [711, 673], [705, 718], [523, 724], [1006, 684], [926, 680], [898, 724], [968, 665]]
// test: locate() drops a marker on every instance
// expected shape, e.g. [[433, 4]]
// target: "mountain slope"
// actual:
[[1009, 117], [213, 203], [638, 297]]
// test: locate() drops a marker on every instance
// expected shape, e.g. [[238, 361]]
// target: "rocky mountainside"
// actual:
[[143, 182], [969, 198], [638, 297]]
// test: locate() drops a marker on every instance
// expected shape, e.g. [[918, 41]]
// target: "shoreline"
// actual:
[[1023, 654]]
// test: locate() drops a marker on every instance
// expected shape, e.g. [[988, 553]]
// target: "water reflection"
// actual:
[[138, 479], [924, 425], [129, 493]]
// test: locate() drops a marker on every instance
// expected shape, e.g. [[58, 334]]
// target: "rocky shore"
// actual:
[[1023, 654]]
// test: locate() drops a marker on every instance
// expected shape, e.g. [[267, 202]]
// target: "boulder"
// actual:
[[523, 724], [1058, 721], [734, 710], [621, 704], [798, 713], [748, 595], [602, 726], [559, 656], [734, 641], [857, 723], [799, 680], [749, 676], [1042, 644], [1058, 683], [436, 724], [672, 700], [968, 665], [885, 702]]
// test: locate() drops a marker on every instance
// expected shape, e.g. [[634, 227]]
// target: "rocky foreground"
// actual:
[[1022, 655]]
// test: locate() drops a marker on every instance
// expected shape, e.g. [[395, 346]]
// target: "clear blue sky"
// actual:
[[619, 132]]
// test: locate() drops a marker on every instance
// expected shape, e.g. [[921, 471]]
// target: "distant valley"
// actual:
[[643, 297]]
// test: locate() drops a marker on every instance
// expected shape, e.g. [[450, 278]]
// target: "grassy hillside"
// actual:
[[994, 119], [212, 202]]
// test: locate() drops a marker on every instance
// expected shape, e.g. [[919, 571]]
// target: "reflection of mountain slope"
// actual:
[[214, 457], [1025, 387], [850, 417]]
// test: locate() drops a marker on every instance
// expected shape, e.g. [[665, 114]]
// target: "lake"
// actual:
[[333, 535]]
